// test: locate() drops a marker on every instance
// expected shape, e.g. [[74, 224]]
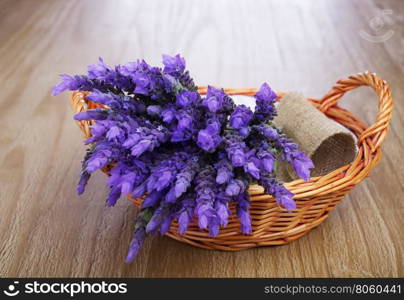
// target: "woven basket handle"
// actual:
[[377, 131]]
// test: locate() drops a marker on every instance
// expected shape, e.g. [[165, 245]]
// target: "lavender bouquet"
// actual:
[[187, 155]]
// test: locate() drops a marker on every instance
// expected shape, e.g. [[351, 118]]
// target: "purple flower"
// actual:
[[179, 135], [214, 226], [183, 221], [237, 156], [282, 195], [240, 117], [243, 200], [84, 177], [147, 80], [170, 196], [136, 243], [214, 99], [168, 114], [99, 97], [156, 219], [252, 169], [82, 83], [267, 160], [265, 99], [236, 149], [113, 196], [289, 150], [252, 165], [98, 131], [98, 71], [154, 110], [165, 179], [205, 196], [285, 198], [91, 114], [66, 84], [145, 140], [208, 141], [184, 120], [98, 160], [269, 132], [127, 182], [222, 210], [129, 68], [139, 190], [142, 147], [116, 172], [185, 177], [152, 199], [101, 72], [114, 133], [301, 164], [173, 64], [208, 138], [186, 98], [235, 187], [165, 224], [265, 93], [186, 212], [224, 171], [132, 140], [143, 83]]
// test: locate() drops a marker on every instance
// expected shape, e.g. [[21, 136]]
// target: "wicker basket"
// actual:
[[271, 224]]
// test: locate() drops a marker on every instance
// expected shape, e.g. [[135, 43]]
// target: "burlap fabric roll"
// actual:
[[327, 143]]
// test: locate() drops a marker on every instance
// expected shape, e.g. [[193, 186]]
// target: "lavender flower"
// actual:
[[264, 108], [173, 64], [209, 139], [266, 159], [186, 98], [92, 114], [217, 100], [222, 208], [240, 118], [235, 187], [282, 195], [185, 177], [98, 71], [81, 83], [98, 160], [186, 212], [84, 177], [187, 156], [136, 243], [301, 164], [243, 204], [157, 218], [224, 171], [205, 196], [139, 234], [236, 148], [289, 150]]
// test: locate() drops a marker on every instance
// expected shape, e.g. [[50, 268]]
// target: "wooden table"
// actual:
[[47, 230]]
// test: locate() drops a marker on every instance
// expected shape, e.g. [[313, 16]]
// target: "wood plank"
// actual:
[[47, 230]]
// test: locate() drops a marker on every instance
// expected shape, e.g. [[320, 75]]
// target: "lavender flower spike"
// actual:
[[136, 243], [301, 164], [173, 64]]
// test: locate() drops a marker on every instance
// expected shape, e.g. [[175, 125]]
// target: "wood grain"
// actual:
[[46, 230]]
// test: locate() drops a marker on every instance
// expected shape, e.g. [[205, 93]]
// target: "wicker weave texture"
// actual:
[[271, 224]]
